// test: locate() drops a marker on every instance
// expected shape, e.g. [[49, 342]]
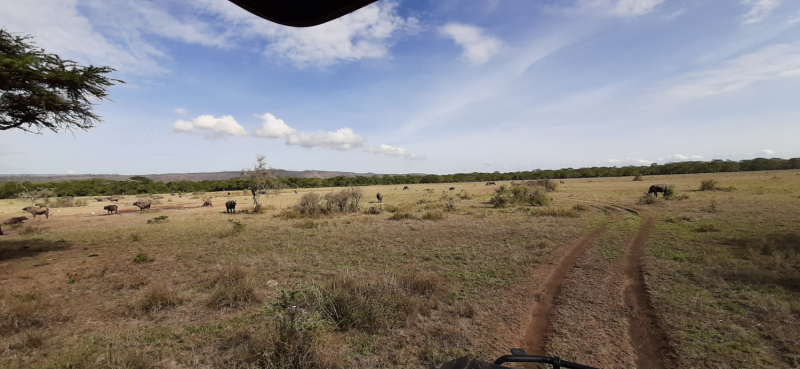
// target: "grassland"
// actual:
[[424, 280]]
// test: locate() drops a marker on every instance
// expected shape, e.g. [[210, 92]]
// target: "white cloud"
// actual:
[[341, 139], [768, 152], [181, 111], [795, 19], [770, 62], [478, 48], [629, 8], [211, 126], [761, 9], [70, 171], [614, 161], [684, 157], [397, 152], [272, 127], [616, 8]]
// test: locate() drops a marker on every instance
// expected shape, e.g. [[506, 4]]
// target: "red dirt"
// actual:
[[649, 341], [534, 340]]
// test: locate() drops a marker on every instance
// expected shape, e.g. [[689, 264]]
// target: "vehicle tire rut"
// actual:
[[539, 326], [648, 339]]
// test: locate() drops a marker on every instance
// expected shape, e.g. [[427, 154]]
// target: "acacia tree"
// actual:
[[261, 180], [35, 195], [42, 91]]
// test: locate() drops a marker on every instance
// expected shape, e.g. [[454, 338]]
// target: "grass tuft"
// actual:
[[232, 288]]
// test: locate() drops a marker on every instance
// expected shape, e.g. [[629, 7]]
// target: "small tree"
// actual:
[[42, 91], [35, 195], [261, 180]]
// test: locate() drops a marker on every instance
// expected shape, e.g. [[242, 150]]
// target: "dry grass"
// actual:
[[417, 292]]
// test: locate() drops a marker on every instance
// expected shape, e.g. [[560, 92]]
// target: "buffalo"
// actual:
[[111, 209], [15, 220], [38, 211], [405, 188], [142, 205], [655, 189], [230, 207], [452, 188], [380, 197], [491, 184], [207, 203]]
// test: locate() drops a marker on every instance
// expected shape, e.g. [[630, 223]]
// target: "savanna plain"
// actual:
[[594, 271]]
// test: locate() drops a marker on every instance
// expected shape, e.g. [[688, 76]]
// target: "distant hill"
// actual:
[[194, 177]]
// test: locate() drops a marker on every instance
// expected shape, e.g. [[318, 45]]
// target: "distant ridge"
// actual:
[[169, 177]]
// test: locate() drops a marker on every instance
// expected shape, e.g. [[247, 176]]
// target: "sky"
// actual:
[[420, 86]]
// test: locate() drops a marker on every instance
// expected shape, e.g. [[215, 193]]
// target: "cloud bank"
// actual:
[[478, 48], [343, 139]]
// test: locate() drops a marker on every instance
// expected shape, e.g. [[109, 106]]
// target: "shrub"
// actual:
[[638, 178], [309, 204], [648, 199], [533, 195], [432, 215], [157, 297], [463, 195], [231, 287], [289, 214], [237, 225], [141, 257], [373, 210], [402, 216], [297, 342], [346, 200], [708, 185], [67, 202], [158, 220], [580, 207]]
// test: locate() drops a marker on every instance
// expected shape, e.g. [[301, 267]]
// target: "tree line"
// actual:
[[142, 185]]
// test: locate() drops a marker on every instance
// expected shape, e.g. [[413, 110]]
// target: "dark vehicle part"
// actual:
[[518, 355], [301, 13]]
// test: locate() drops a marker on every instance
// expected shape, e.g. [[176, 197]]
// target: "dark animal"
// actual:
[[380, 197], [491, 184], [207, 203], [38, 211], [15, 220], [111, 209], [142, 205], [405, 188], [452, 188], [230, 206], [655, 189], [230, 193], [1, 231]]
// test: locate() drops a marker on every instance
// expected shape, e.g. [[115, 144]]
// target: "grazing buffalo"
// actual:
[[15, 220], [452, 188], [142, 205], [655, 189], [491, 184], [38, 211], [207, 203], [405, 188], [380, 197], [230, 206], [111, 209]]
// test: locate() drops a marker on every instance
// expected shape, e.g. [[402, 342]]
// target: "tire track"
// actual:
[[539, 326], [647, 338]]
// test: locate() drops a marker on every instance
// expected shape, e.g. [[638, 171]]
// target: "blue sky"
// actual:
[[422, 86]]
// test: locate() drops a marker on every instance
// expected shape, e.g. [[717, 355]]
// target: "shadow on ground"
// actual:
[[25, 248]]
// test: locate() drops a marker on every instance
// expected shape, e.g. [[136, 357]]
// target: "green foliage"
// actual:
[[237, 225], [530, 193], [159, 219], [104, 187], [708, 185], [42, 91], [141, 257]]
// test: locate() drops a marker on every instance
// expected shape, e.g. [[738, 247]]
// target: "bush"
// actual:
[[580, 207], [463, 195], [346, 200], [231, 288], [237, 225], [708, 185], [638, 178], [402, 216], [157, 297], [527, 194], [297, 342], [158, 220], [67, 202], [648, 199], [141, 257], [431, 215], [309, 204], [290, 213]]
